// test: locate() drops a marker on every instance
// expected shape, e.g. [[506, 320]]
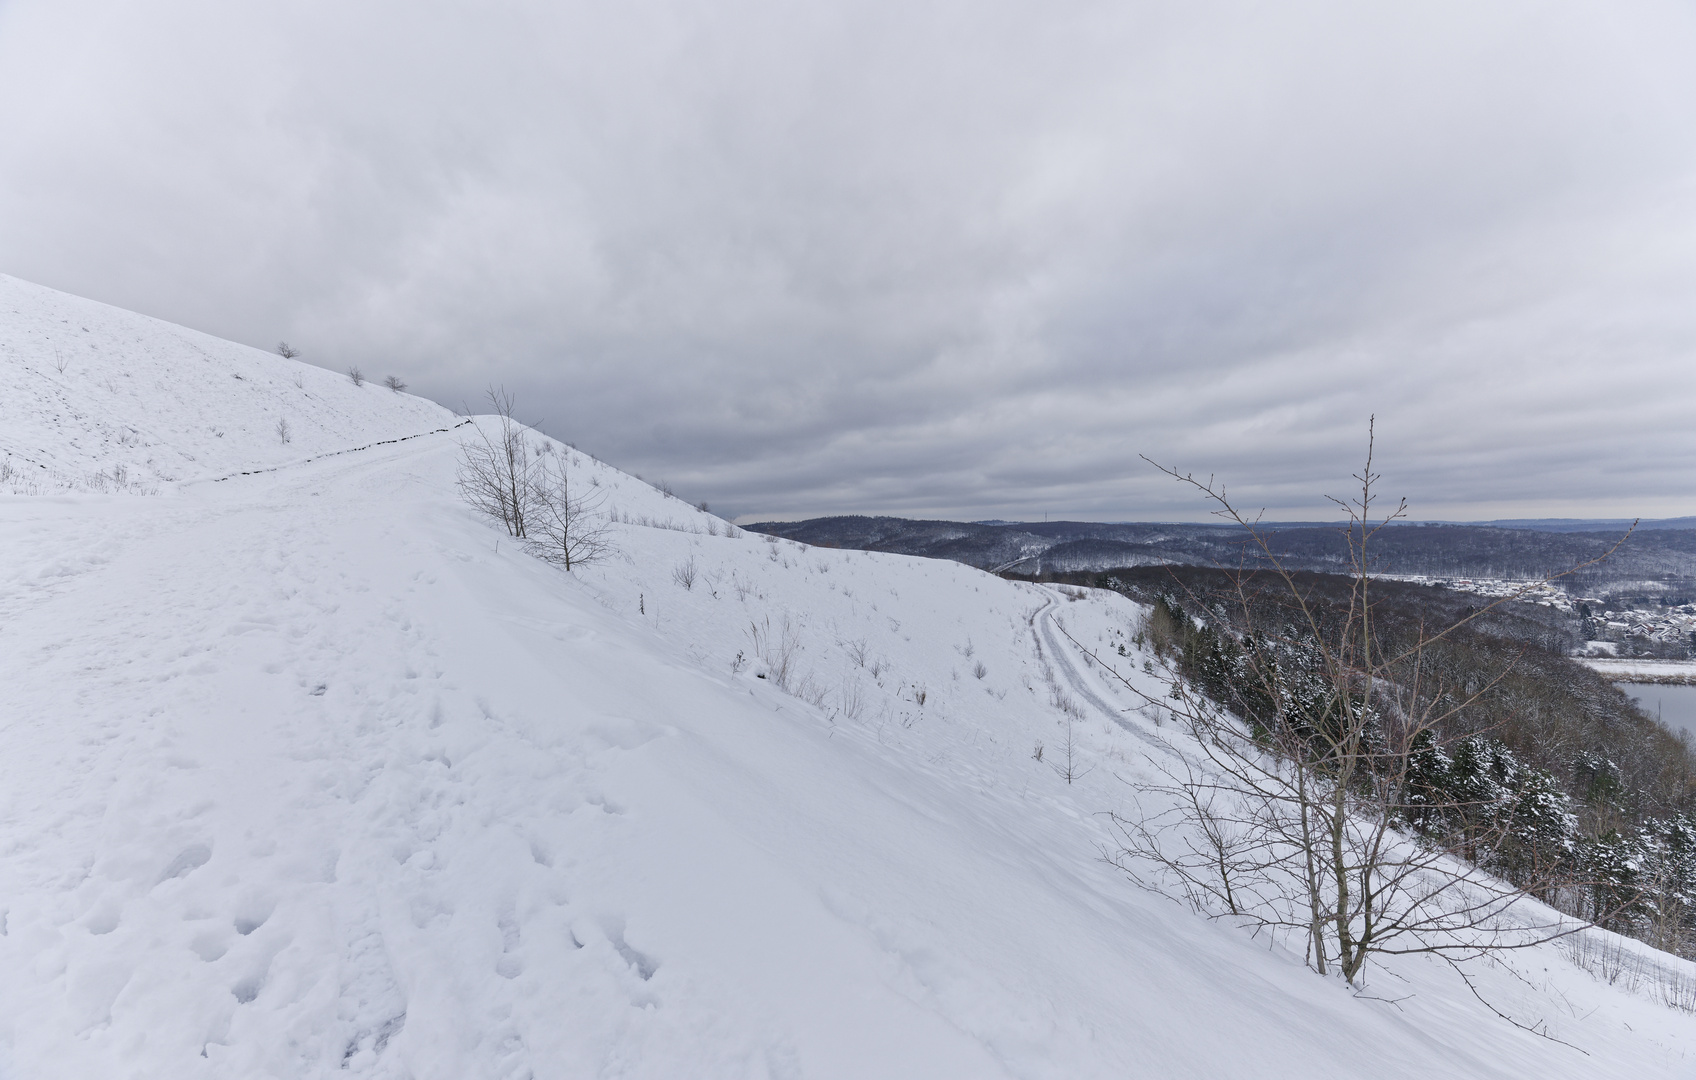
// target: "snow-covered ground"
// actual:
[[1628, 669], [311, 771], [100, 399]]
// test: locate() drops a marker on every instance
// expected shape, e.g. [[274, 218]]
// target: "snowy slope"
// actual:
[[311, 772], [96, 398]]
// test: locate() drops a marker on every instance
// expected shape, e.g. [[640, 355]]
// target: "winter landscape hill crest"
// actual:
[[311, 771]]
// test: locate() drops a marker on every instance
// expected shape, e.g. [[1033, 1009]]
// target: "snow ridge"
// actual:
[[94, 398]]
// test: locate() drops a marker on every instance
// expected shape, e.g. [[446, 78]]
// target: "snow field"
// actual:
[[312, 772], [100, 399]]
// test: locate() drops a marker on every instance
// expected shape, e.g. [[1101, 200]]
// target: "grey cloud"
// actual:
[[941, 258]]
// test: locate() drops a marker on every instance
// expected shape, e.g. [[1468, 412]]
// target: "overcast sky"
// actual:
[[926, 258]]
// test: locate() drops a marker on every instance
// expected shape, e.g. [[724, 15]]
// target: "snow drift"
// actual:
[[310, 772]]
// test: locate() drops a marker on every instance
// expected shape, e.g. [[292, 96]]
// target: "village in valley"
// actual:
[[1606, 626]]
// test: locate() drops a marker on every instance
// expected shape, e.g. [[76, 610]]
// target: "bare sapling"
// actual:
[[1297, 812], [498, 475], [530, 490], [564, 522], [1066, 764]]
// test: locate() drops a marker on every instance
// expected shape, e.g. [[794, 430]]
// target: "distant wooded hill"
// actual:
[[1657, 563]]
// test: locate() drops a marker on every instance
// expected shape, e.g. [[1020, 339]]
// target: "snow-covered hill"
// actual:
[[311, 772], [94, 398]]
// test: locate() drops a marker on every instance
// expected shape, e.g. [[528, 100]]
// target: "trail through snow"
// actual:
[[1064, 655]]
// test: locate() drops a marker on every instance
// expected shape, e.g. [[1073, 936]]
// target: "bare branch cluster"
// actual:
[[497, 475], [530, 491], [565, 523]]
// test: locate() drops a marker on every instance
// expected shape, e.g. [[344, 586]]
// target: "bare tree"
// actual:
[[393, 383], [357, 378], [530, 491], [283, 429], [564, 524], [498, 475], [286, 351], [1297, 813]]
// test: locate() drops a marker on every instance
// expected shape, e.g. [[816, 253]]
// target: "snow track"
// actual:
[[1068, 662], [1060, 653]]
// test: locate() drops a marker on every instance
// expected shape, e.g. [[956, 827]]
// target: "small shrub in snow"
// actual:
[[853, 698], [684, 574], [1632, 969], [777, 649], [978, 670], [393, 383], [810, 692], [283, 430], [286, 351], [357, 378], [743, 588], [1068, 768]]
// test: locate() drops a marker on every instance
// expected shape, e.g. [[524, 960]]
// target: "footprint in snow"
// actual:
[[187, 861]]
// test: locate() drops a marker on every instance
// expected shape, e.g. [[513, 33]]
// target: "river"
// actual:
[[1676, 705]]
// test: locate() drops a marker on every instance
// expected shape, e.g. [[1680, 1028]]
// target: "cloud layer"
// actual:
[[946, 259]]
